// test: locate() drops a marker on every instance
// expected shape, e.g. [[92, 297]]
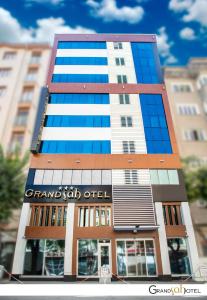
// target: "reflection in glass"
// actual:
[[87, 257], [136, 258], [121, 258], [104, 255], [54, 258], [103, 217], [141, 259], [44, 257], [97, 216], [179, 261], [130, 245], [150, 255]]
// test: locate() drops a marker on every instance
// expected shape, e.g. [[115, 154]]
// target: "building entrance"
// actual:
[[104, 256]]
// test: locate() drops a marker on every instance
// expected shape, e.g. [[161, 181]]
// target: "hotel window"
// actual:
[[44, 257], [124, 99], [5, 72], [121, 79], [128, 147], [131, 176], [188, 109], [91, 216], [182, 88], [120, 61], [118, 45], [21, 118], [164, 177], [9, 55], [136, 258], [31, 74], [35, 58], [178, 255], [172, 214], [16, 142], [195, 135], [126, 121], [48, 215], [27, 94], [2, 91]]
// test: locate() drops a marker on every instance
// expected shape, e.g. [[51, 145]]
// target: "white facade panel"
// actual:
[[76, 176], [47, 179], [134, 133], [86, 177], [192, 247], [127, 69], [39, 174], [57, 177], [74, 69], [81, 53], [78, 109], [75, 134], [18, 261], [163, 239], [67, 177], [68, 258], [96, 177], [118, 177]]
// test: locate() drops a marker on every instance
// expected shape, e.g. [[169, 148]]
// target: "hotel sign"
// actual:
[[80, 193]]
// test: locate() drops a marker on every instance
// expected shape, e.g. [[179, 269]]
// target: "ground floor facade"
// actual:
[[75, 241]]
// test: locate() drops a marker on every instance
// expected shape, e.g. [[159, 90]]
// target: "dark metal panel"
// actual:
[[169, 192], [35, 145], [133, 205]]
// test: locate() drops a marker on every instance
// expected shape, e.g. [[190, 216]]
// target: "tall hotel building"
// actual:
[[105, 185]]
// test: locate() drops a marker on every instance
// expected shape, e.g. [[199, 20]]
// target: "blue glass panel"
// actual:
[[81, 45], [85, 78], [79, 99], [81, 61], [77, 121], [155, 125], [73, 147], [146, 62]]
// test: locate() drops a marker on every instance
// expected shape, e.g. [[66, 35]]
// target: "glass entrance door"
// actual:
[[104, 254]]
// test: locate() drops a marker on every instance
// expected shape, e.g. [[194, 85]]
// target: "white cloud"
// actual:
[[179, 5], [12, 31], [197, 12], [164, 46], [187, 33], [109, 11], [194, 10], [52, 2]]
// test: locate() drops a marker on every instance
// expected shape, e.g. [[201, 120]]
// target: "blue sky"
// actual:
[[180, 25]]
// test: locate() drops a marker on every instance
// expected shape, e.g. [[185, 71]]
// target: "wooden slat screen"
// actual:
[[48, 215], [172, 214]]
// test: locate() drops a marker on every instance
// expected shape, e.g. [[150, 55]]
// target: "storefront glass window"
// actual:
[[141, 259], [121, 258], [179, 261], [44, 257], [136, 258], [150, 256], [130, 245], [87, 257]]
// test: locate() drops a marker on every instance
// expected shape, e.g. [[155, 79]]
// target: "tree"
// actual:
[[12, 180], [195, 176]]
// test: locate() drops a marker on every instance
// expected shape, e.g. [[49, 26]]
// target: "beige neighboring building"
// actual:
[[23, 70], [187, 94]]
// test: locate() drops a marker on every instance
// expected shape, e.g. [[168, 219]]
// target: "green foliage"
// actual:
[[195, 176], [12, 180]]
